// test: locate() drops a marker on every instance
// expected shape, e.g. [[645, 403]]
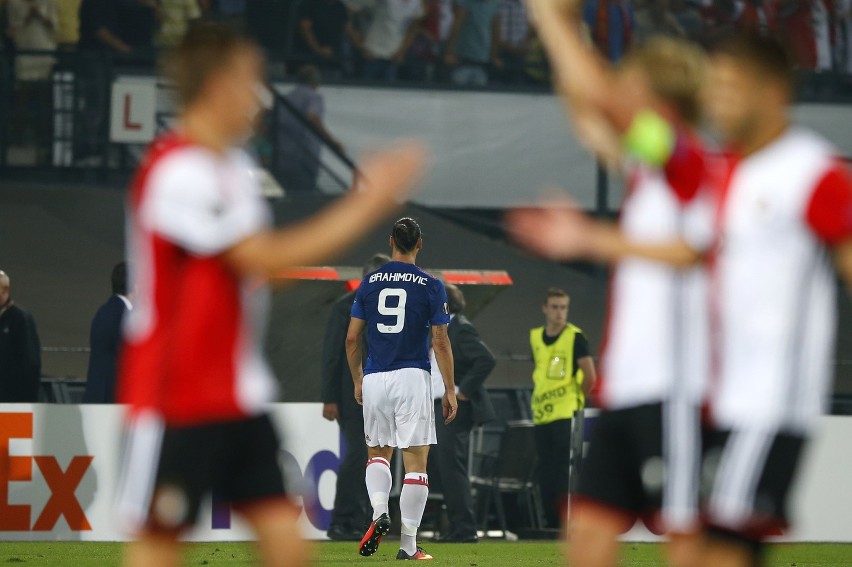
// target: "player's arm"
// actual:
[[607, 119], [354, 338], [387, 178], [561, 232], [581, 74], [444, 356]]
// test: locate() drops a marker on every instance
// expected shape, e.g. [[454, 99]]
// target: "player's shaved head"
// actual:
[[406, 234], [5, 282]]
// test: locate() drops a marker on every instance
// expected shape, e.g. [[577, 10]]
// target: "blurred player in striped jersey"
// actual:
[[783, 216], [201, 244], [644, 453]]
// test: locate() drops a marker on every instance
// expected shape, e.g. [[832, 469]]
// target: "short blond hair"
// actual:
[[675, 69], [556, 292]]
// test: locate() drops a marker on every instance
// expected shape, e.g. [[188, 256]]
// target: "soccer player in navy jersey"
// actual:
[[398, 305]]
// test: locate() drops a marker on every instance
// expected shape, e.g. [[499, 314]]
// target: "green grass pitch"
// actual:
[[483, 554]]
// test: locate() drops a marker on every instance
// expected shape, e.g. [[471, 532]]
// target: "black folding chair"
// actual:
[[510, 471]]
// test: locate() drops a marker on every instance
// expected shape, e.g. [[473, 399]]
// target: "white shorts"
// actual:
[[398, 409]]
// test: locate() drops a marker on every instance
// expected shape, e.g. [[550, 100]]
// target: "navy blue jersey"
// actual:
[[400, 303]]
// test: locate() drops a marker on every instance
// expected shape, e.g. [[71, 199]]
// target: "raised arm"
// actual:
[[444, 356], [387, 178], [354, 356], [581, 74]]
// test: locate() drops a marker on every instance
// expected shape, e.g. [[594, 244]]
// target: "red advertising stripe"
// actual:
[[310, 274]]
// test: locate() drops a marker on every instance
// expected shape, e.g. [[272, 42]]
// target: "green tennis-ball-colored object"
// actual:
[[650, 139]]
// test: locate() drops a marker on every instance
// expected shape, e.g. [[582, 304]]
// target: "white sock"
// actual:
[[379, 481], [412, 502]]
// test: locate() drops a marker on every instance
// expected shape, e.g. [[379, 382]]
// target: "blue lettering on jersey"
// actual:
[[400, 303]]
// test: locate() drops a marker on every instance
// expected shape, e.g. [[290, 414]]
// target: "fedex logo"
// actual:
[[62, 484], [305, 483]]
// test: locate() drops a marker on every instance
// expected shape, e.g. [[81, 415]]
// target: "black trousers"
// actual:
[[451, 459], [351, 503], [553, 445]]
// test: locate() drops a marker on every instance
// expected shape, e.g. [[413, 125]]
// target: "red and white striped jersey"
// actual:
[[773, 287], [192, 342], [656, 343]]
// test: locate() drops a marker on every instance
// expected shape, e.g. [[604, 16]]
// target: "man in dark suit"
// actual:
[[473, 362], [105, 341], [352, 510], [20, 349]]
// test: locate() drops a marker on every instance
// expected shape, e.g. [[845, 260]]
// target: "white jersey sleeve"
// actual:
[[202, 202]]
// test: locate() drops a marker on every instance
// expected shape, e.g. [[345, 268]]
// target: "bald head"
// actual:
[[5, 286]]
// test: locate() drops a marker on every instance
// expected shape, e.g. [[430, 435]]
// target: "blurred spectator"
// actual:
[[653, 18], [611, 24], [514, 39], [473, 44], [137, 22], [105, 340], [844, 23], [176, 16], [67, 24], [808, 27], [32, 25], [433, 32], [99, 27], [394, 26], [5, 39], [231, 8], [20, 350], [298, 147], [322, 26], [100, 38], [536, 64], [688, 18], [725, 16]]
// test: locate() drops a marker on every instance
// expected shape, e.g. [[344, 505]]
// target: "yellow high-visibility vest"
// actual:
[[557, 384]]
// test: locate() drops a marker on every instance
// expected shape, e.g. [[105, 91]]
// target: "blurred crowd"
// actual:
[[468, 42]]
